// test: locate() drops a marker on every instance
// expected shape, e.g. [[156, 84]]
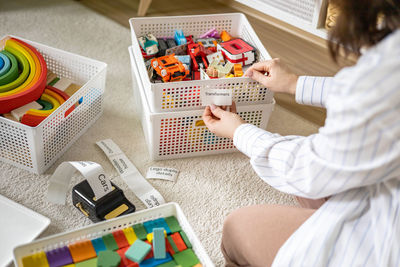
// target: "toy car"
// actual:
[[169, 68], [149, 44]]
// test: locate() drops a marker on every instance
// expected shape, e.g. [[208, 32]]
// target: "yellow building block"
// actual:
[[69, 265], [130, 235], [150, 236], [35, 260]]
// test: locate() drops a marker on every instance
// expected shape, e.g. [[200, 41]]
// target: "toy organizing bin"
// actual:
[[36, 148], [102, 228], [185, 95], [182, 134]]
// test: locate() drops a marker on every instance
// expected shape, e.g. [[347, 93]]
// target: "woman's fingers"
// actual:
[[233, 107]]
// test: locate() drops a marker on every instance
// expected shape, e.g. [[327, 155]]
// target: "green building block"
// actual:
[[186, 258], [173, 224], [185, 239], [87, 263], [108, 258], [53, 82], [138, 251], [110, 242], [140, 231], [168, 264], [172, 243]]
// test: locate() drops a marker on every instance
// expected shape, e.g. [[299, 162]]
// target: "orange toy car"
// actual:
[[169, 68]]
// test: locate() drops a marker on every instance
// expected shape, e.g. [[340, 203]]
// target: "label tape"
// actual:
[[130, 174], [93, 173], [218, 97], [162, 173]]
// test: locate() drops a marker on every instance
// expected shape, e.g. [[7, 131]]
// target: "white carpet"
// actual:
[[207, 189]]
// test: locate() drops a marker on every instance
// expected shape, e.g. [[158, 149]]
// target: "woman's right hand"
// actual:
[[275, 75]]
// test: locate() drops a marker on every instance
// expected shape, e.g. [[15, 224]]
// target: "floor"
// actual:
[[304, 58]]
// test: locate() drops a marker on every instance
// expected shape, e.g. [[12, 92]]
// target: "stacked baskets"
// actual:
[[171, 112]]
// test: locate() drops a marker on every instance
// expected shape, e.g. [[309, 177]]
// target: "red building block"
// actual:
[[180, 244], [120, 238], [124, 261]]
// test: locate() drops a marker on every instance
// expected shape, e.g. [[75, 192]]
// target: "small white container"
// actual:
[[35, 149], [102, 228], [185, 95], [180, 134]]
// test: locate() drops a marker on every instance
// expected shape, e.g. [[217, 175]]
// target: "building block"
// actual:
[[35, 260], [169, 248], [185, 239], [19, 112], [159, 243], [155, 262], [120, 238], [82, 251], [178, 241], [110, 242], [69, 265], [72, 88], [237, 70], [124, 261], [87, 263], [98, 245], [149, 225], [108, 258], [140, 231], [130, 235], [62, 84], [168, 264], [186, 258], [150, 236], [150, 254], [198, 265], [172, 244], [173, 224], [53, 81], [161, 223], [137, 251], [59, 257]]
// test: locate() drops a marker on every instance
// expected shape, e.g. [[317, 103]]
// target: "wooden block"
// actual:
[[82, 251], [62, 84], [172, 244], [35, 260], [137, 251], [98, 245], [120, 238], [155, 262], [124, 260], [178, 241], [10, 117], [130, 235], [51, 77], [110, 242], [168, 264], [108, 258], [159, 243], [186, 258], [150, 236], [19, 112], [149, 225], [173, 224], [150, 254], [161, 223], [59, 257], [140, 231], [87, 263], [72, 88], [185, 239]]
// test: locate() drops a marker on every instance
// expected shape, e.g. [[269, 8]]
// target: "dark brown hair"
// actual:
[[357, 24]]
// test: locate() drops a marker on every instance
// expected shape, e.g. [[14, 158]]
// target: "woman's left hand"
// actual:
[[220, 122]]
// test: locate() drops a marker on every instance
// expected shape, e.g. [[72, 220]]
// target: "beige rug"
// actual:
[[207, 189]]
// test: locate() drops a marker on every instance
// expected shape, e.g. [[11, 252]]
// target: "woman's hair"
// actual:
[[363, 23]]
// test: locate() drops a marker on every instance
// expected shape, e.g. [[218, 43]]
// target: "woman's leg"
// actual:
[[253, 235]]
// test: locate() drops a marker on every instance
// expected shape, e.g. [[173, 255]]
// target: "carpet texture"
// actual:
[[207, 189]]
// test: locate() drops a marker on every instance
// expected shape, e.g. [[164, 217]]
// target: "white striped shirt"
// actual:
[[354, 158]]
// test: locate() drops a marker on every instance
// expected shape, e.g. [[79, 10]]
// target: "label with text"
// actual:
[[218, 97], [162, 173]]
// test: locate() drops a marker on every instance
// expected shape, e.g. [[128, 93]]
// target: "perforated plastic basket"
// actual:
[[99, 229], [36, 148], [185, 95], [182, 133]]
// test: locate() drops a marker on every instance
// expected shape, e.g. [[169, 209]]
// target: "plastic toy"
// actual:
[[237, 70], [207, 42], [216, 56], [238, 51], [171, 43], [169, 68], [149, 44], [185, 60], [198, 55], [225, 36], [179, 37], [162, 47], [213, 33], [224, 70]]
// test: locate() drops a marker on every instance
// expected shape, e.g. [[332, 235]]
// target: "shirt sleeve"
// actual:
[[312, 90], [319, 165]]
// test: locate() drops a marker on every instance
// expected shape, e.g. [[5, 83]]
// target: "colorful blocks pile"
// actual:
[[128, 247]]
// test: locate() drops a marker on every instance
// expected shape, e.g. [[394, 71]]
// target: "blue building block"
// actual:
[[98, 245], [179, 37], [155, 262], [161, 223], [159, 243], [149, 225]]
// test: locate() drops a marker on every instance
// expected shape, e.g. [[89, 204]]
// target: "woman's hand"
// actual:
[[275, 75], [220, 122]]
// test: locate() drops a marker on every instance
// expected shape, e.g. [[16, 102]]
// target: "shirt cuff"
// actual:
[[246, 136], [312, 90]]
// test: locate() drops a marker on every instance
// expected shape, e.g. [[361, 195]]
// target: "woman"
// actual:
[[350, 168]]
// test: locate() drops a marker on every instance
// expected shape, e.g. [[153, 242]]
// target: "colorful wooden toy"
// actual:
[[98, 245], [82, 251], [185, 239], [36, 260], [186, 258], [110, 242], [159, 243], [130, 235], [138, 251], [180, 244], [108, 258], [59, 257], [140, 231], [120, 238]]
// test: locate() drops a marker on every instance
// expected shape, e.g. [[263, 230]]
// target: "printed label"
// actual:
[[218, 97], [162, 173]]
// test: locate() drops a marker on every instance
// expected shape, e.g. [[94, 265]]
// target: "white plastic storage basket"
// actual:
[[99, 229], [182, 134], [185, 95], [36, 148]]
